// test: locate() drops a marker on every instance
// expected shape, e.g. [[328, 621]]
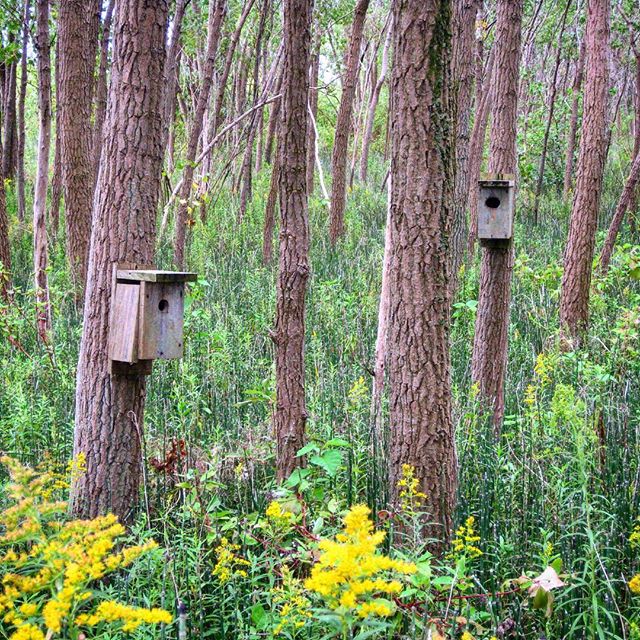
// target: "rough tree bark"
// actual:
[[291, 414], [22, 94], [101, 89], [463, 72], [343, 124], [550, 111], [373, 103], [78, 26], [421, 199], [270, 209], [216, 15], [573, 124], [40, 258], [56, 179], [489, 360], [578, 255], [109, 408]]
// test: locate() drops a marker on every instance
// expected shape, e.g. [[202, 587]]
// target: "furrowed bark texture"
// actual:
[[463, 72], [40, 257], [343, 124], [578, 255], [489, 361], [5, 249], [78, 25], [9, 120], [291, 414], [421, 199], [216, 16], [109, 408], [313, 108]]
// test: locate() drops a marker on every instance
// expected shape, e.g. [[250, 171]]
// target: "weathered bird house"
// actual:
[[496, 206], [146, 322]]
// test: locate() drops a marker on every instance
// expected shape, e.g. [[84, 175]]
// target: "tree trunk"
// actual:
[[222, 86], [10, 124], [490, 344], [40, 258], [463, 71], [573, 124], [578, 256], [291, 414], [343, 124], [21, 100], [109, 408], [56, 180], [421, 199], [274, 119], [313, 108], [5, 249], [216, 15], [476, 147], [373, 103], [101, 92], [270, 210], [171, 73], [623, 205], [78, 26]]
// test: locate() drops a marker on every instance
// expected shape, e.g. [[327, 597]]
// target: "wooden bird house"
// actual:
[[496, 206], [146, 321]]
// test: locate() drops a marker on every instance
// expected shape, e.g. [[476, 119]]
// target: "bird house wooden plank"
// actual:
[[155, 275], [496, 206], [123, 332], [161, 320]]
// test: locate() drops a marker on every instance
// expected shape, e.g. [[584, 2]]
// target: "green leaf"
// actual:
[[330, 461]]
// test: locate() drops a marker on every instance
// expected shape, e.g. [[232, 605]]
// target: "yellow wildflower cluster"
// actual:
[[634, 584], [294, 608], [634, 538], [466, 538], [350, 575], [543, 368], [530, 395], [228, 564], [410, 496], [48, 564], [278, 515]]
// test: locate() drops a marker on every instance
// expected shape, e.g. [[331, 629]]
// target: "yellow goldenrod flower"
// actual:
[[228, 564], [634, 584], [350, 574], [465, 540], [410, 496]]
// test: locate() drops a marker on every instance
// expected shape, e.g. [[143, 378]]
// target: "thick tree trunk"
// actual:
[[274, 119], [421, 203], [216, 15], [21, 101], [373, 103], [101, 91], [291, 414], [109, 408], [78, 26], [463, 72], [343, 124], [489, 363], [578, 256], [40, 258], [550, 111], [623, 205], [573, 124], [56, 180]]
